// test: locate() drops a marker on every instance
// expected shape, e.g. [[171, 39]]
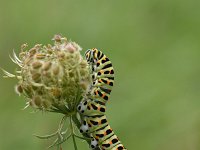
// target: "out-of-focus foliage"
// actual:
[[155, 49]]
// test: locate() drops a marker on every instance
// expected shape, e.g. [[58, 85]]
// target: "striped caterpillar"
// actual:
[[93, 107]]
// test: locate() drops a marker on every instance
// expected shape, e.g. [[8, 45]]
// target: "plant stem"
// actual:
[[73, 137]]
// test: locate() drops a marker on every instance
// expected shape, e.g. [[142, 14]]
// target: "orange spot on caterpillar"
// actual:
[[97, 138]]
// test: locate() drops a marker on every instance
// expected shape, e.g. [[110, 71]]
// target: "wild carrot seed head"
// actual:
[[52, 76]]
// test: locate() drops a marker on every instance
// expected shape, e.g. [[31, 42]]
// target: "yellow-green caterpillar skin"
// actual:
[[93, 107], [104, 82], [99, 94]]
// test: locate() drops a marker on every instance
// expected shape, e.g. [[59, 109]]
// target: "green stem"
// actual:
[[73, 137]]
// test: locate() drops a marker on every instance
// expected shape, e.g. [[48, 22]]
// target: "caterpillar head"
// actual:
[[84, 127], [82, 106], [94, 143]]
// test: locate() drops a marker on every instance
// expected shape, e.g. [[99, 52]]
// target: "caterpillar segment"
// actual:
[[102, 134], [101, 64], [93, 123], [104, 82], [99, 94], [91, 108], [110, 143], [96, 122], [103, 74]]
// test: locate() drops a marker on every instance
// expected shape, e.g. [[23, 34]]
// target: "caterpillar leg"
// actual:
[[94, 143], [82, 107], [84, 127]]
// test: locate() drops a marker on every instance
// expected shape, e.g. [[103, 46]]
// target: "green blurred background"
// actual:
[[155, 49]]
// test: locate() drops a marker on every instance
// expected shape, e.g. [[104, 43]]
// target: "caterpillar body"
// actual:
[[93, 107]]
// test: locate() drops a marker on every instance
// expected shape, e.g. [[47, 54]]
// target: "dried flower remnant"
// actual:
[[52, 77]]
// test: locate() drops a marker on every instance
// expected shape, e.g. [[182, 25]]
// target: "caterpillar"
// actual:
[[93, 106]]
